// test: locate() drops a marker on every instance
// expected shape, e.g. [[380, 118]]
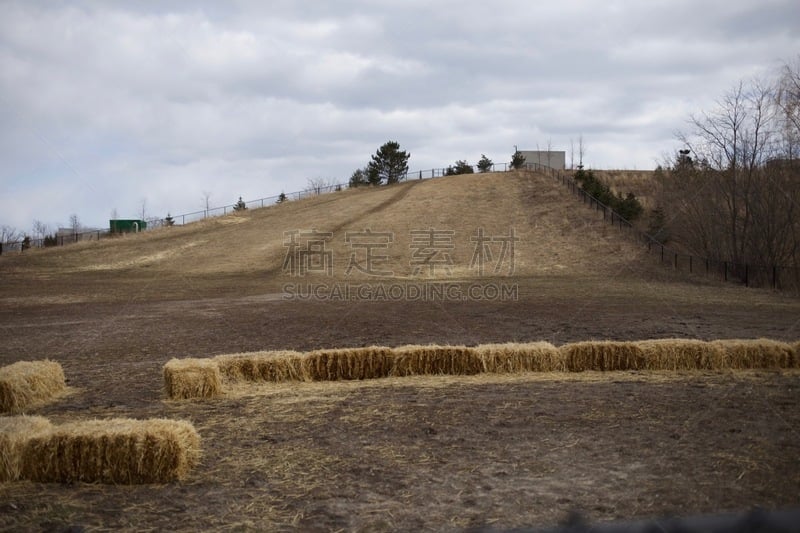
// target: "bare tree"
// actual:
[[206, 201], [581, 151], [787, 99], [114, 214], [317, 185], [733, 195], [40, 229], [143, 209], [74, 224], [10, 234], [571, 153]]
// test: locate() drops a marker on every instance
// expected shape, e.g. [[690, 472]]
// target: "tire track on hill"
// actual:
[[398, 196]]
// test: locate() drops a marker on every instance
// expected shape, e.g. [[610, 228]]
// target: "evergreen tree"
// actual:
[[517, 159], [461, 167], [389, 163], [359, 177], [485, 164]]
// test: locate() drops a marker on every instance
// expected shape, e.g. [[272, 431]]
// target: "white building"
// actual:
[[548, 158]]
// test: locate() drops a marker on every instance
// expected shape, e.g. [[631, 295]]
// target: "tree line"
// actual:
[[733, 193]]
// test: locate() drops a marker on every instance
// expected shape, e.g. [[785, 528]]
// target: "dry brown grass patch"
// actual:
[[27, 383], [14, 434], [192, 378]]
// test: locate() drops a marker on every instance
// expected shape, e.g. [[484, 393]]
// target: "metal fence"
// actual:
[[776, 277], [194, 216]]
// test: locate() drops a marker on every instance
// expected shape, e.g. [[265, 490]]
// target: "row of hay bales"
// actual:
[[205, 378], [97, 451], [105, 451]]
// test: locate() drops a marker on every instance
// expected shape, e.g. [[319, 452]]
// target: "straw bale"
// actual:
[[118, 450], [368, 362], [15, 431], [412, 360], [682, 354], [28, 383], [757, 353], [602, 355], [520, 357], [274, 366], [192, 378]]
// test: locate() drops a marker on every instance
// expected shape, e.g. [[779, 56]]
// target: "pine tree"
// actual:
[[485, 164], [389, 163], [517, 159]]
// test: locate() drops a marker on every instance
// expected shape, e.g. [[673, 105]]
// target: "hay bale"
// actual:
[[414, 360], [520, 357], [15, 431], [112, 451], [274, 366], [192, 378], [368, 362], [27, 383], [757, 353], [602, 355], [682, 354]]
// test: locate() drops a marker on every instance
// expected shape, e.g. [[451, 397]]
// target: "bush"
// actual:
[[485, 164], [517, 159], [628, 207], [461, 167]]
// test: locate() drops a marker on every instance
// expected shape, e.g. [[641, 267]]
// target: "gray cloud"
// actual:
[[104, 105]]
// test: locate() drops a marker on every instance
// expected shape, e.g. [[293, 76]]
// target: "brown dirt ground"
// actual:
[[428, 453]]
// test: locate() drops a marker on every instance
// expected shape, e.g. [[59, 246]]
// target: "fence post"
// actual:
[[774, 277], [725, 263], [1, 248], [662, 253], [746, 275]]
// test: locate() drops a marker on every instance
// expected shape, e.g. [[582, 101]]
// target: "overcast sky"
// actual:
[[104, 105]]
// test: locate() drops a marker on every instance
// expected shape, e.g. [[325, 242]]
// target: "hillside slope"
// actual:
[[552, 235]]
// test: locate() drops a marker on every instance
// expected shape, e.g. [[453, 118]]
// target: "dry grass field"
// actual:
[[416, 452]]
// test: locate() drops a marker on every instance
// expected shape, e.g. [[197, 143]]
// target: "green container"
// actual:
[[127, 225]]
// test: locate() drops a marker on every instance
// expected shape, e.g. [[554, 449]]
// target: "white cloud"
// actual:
[[103, 105]]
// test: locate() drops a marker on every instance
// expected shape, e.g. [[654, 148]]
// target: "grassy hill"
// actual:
[[554, 236]]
